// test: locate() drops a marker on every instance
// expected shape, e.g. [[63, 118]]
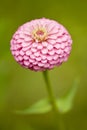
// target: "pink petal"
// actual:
[[44, 51], [49, 47], [28, 52]]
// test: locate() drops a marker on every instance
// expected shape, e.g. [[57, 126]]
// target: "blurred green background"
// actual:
[[20, 87]]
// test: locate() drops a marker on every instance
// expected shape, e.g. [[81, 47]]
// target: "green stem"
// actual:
[[59, 123], [50, 92]]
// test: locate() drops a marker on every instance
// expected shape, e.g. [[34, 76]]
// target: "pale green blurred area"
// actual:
[[19, 88]]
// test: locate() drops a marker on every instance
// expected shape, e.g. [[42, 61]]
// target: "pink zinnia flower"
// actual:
[[41, 44]]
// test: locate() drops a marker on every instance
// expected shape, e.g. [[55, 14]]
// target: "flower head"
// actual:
[[41, 44]]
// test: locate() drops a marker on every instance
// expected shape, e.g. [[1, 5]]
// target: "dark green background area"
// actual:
[[19, 87]]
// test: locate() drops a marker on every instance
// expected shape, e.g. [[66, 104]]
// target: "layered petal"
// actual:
[[41, 44]]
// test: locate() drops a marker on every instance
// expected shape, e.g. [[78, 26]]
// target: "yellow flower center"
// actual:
[[39, 34]]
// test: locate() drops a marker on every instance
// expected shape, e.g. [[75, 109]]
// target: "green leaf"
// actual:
[[65, 103], [41, 107]]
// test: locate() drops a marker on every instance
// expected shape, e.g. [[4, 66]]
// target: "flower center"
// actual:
[[39, 34]]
